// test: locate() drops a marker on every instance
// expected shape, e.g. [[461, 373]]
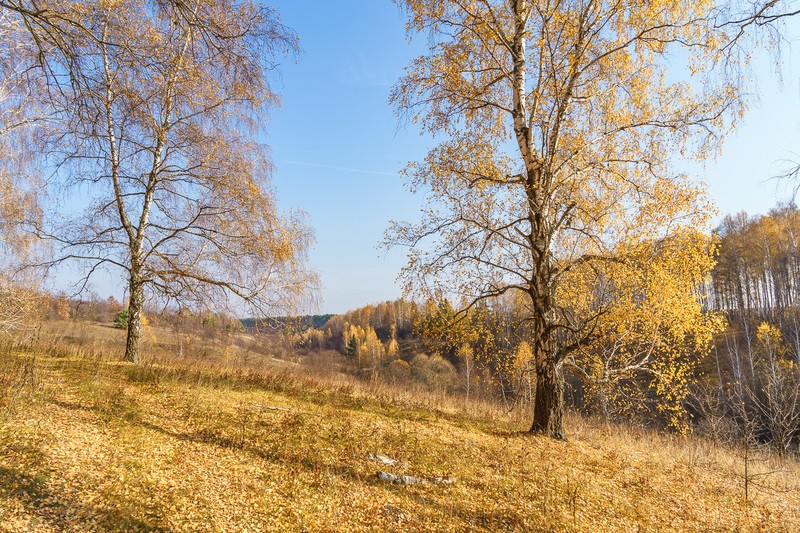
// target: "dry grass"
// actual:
[[87, 443]]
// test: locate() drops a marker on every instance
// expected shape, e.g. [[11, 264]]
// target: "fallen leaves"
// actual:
[[192, 457]]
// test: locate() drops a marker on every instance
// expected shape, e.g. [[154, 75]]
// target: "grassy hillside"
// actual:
[[87, 443]]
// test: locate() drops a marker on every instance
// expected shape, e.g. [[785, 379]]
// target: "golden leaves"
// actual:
[[561, 138], [650, 323], [199, 456]]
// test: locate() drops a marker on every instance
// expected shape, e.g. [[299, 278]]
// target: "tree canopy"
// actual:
[[155, 110], [560, 123]]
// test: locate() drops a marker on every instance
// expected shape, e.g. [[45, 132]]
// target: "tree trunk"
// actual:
[[548, 407], [133, 343]]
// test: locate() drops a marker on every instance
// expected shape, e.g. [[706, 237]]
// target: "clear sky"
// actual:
[[338, 147]]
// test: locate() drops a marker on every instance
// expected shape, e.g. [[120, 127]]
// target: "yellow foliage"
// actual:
[[393, 349], [556, 182], [653, 322], [770, 341], [524, 358]]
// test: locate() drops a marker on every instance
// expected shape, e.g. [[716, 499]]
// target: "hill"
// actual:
[[91, 444], [301, 323]]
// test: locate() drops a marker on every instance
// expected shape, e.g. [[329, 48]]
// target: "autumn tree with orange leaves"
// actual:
[[158, 105], [560, 125]]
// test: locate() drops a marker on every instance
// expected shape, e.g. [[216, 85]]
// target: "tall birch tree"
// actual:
[[158, 105], [560, 124]]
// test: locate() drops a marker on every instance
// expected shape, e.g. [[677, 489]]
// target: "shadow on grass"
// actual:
[[24, 487], [490, 517], [108, 405], [304, 388], [495, 519], [212, 438], [26, 477], [487, 519], [72, 406], [32, 491]]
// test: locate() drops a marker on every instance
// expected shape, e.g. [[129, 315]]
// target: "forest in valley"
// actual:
[[567, 287], [741, 383]]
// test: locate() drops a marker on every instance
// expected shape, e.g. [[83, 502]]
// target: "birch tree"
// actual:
[[156, 129], [559, 125], [17, 116], [19, 202]]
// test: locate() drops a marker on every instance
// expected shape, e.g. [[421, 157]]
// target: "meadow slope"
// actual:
[[90, 444]]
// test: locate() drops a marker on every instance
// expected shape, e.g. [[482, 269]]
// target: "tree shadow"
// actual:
[[203, 436], [29, 482], [492, 519], [72, 406]]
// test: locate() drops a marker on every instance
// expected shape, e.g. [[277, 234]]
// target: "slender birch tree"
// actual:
[[158, 105], [20, 116], [560, 124]]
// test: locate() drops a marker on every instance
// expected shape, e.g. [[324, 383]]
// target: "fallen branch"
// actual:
[[382, 459], [413, 480]]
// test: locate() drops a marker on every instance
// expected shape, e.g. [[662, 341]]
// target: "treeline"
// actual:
[[758, 265], [283, 323], [742, 382], [396, 317], [484, 353], [751, 384], [93, 308], [481, 354]]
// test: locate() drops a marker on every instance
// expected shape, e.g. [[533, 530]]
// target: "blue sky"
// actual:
[[338, 147]]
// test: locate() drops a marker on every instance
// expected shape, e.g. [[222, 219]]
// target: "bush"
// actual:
[[435, 372], [399, 372], [121, 320]]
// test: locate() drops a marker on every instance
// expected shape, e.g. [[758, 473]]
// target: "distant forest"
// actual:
[[297, 323]]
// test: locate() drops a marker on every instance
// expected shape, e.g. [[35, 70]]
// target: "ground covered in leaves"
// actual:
[[88, 444]]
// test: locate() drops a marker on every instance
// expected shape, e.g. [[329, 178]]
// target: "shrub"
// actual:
[[435, 372], [121, 320]]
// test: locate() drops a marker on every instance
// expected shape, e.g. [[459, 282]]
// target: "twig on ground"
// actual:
[[413, 480]]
